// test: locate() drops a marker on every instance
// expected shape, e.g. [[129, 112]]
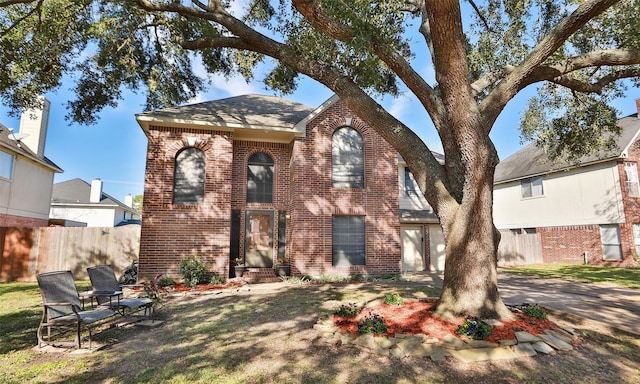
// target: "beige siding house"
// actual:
[[26, 175]]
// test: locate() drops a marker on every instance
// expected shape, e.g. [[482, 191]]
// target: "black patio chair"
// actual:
[[108, 293], [63, 310]]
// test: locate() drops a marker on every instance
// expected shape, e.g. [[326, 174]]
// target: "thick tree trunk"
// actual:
[[470, 277]]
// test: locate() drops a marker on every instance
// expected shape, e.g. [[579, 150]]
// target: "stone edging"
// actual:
[[468, 351]]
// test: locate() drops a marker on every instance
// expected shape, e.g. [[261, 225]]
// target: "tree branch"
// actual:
[[495, 102], [36, 9], [313, 12], [13, 2]]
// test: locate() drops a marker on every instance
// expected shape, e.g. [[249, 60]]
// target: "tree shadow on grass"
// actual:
[[268, 337]]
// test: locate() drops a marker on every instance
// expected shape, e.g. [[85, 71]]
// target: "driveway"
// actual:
[[613, 306]]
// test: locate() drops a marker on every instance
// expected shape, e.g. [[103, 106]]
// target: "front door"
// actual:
[[258, 243], [412, 248]]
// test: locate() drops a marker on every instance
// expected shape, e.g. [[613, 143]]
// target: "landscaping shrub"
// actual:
[[474, 328], [194, 271]]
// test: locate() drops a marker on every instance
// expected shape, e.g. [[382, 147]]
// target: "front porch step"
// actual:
[[260, 275]]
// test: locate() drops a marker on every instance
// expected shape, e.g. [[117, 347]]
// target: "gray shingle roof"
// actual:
[[247, 111], [77, 192], [532, 160], [24, 150]]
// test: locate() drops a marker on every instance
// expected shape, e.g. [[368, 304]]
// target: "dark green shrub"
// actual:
[[347, 310], [165, 281], [372, 323], [194, 271], [474, 328], [533, 311]]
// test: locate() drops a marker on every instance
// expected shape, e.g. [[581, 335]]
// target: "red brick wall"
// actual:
[[172, 232], [20, 221], [302, 188], [631, 211], [569, 244], [314, 201]]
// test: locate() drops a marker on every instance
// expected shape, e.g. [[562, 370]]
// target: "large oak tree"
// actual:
[[579, 53]]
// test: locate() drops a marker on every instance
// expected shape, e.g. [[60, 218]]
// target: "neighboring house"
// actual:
[[259, 178], [26, 175], [583, 213], [77, 203]]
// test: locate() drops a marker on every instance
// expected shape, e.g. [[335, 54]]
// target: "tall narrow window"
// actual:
[[610, 236], [532, 187], [631, 170], [260, 178], [348, 240], [6, 165], [188, 181], [347, 158], [409, 183]]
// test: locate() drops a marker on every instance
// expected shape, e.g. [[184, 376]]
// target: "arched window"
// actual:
[[260, 178], [347, 158], [188, 180]]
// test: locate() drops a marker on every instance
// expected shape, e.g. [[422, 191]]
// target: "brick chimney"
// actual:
[[34, 123], [638, 106], [96, 191]]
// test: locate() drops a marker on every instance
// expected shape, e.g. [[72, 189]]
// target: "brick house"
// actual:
[[583, 213], [258, 178]]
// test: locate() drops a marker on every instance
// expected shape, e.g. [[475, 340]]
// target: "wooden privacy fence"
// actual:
[[519, 249], [25, 252]]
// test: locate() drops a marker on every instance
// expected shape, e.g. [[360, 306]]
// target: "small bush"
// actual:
[[194, 271], [533, 311], [393, 299], [372, 323], [474, 328], [347, 310], [165, 281]]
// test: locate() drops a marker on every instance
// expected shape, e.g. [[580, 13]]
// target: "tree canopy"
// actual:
[[581, 54]]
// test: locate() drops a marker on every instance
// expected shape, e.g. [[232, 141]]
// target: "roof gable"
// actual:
[[8, 143], [77, 192], [246, 115]]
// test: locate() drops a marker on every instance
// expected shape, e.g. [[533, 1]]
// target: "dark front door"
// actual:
[[258, 243]]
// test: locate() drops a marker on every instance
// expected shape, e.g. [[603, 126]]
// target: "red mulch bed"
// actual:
[[180, 287], [417, 317]]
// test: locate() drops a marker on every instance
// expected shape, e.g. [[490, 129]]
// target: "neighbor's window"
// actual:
[[532, 187], [188, 181], [348, 240], [610, 236], [6, 165], [260, 178], [631, 170], [347, 158], [409, 183]]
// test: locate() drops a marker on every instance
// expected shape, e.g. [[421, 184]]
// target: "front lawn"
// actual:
[[265, 334], [624, 277]]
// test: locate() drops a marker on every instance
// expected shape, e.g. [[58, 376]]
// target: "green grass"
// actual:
[[624, 277], [254, 335]]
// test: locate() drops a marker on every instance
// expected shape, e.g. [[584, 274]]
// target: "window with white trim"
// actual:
[[610, 237], [631, 171], [409, 183], [531, 187], [6, 165]]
